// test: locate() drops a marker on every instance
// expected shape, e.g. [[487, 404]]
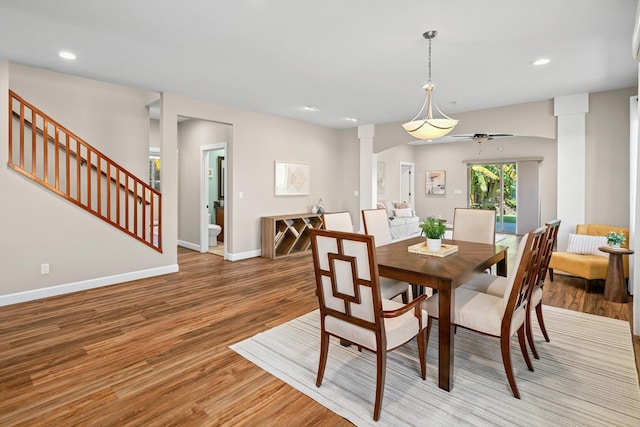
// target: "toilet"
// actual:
[[214, 230]]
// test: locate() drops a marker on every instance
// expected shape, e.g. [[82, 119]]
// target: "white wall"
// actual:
[[259, 140], [39, 227], [607, 157]]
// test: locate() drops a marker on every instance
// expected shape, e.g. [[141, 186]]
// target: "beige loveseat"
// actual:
[[590, 264]]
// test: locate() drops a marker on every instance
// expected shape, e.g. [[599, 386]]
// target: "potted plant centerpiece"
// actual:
[[615, 239], [434, 230]]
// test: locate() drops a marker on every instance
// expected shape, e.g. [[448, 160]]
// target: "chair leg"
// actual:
[[381, 371], [422, 352], [529, 333], [324, 350], [428, 331], [541, 322], [587, 285], [523, 347], [416, 291], [551, 274], [405, 297], [508, 369]]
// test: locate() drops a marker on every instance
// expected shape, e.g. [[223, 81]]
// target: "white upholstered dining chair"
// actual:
[[352, 308], [376, 224], [504, 316], [338, 221], [474, 225], [496, 285]]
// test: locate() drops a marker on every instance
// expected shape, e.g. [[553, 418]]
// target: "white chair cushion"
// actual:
[[402, 328], [586, 245], [398, 329], [488, 284], [477, 311], [389, 288]]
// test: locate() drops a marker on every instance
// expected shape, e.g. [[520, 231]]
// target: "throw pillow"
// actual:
[[401, 205], [586, 245], [404, 213]]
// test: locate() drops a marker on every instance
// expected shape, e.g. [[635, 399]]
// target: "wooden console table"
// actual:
[[615, 287], [284, 235]]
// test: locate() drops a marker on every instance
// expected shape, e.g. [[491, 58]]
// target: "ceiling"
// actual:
[[364, 59]]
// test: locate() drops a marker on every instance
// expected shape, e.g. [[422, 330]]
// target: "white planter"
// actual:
[[434, 244]]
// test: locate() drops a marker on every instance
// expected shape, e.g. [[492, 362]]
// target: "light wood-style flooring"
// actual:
[[155, 351]]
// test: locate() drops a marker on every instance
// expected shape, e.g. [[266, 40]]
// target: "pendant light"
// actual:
[[429, 127]]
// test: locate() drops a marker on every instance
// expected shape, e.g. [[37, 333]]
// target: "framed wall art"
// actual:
[[382, 177], [436, 183], [292, 179]]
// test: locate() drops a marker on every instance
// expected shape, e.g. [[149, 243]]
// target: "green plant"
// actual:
[[433, 227], [614, 238]]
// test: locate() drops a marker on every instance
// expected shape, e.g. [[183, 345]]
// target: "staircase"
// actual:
[[54, 157]]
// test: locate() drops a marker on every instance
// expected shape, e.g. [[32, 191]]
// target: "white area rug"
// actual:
[[500, 237], [586, 376]]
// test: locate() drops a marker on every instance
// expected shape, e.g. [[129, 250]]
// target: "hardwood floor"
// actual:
[[155, 351]]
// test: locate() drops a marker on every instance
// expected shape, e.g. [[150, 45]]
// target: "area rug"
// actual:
[[500, 237], [585, 376]]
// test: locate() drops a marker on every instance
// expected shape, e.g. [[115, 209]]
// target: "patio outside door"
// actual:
[[493, 186]]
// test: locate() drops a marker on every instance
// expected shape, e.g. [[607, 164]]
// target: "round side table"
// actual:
[[615, 288]]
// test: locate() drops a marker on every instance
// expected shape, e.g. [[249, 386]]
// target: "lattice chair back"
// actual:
[[347, 287]]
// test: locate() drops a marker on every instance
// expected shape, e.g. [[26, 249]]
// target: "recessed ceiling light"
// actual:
[[541, 61], [310, 108], [351, 119], [67, 55]]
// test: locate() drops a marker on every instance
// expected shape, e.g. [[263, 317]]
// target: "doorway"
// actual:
[[407, 183], [212, 190]]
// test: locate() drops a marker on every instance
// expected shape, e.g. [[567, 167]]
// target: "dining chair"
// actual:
[[548, 244], [376, 224], [474, 225], [496, 285], [338, 221], [352, 308], [500, 317]]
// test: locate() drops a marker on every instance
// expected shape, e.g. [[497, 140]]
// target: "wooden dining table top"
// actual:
[[470, 259]]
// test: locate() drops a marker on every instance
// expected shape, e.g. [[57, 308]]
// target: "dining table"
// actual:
[[444, 274]]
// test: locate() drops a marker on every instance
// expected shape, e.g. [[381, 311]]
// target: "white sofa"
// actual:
[[403, 221]]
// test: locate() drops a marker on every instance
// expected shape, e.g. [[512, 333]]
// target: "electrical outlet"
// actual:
[[44, 268]]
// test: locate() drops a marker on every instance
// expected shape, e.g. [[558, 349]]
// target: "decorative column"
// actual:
[[366, 133], [570, 112]]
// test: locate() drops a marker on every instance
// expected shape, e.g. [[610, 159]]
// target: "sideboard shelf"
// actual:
[[284, 235]]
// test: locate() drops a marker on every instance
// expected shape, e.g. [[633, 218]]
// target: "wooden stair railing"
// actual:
[[62, 162]]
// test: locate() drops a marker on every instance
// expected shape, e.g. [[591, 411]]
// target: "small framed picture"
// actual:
[[436, 183]]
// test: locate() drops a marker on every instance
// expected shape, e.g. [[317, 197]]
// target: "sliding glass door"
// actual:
[[493, 186]]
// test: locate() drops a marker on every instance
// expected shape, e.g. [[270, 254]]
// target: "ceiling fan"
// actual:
[[483, 137]]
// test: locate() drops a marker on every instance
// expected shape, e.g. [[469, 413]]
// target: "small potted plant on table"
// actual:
[[434, 229], [615, 239]]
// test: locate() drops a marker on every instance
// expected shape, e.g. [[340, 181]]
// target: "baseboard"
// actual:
[[228, 256], [84, 285], [189, 245], [244, 255]]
